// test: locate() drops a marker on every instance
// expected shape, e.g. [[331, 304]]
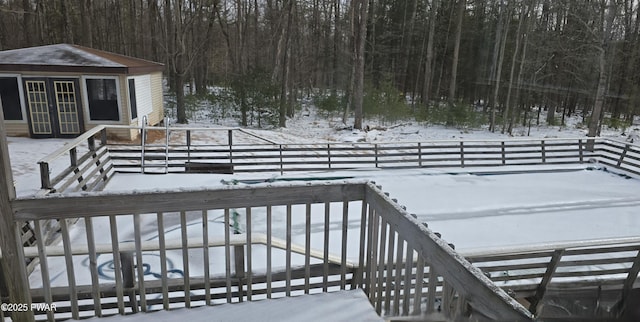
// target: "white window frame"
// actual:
[[85, 99], [23, 106]]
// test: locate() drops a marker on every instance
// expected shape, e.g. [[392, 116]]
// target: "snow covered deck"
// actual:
[[352, 306]]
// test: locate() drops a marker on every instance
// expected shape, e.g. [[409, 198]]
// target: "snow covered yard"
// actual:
[[475, 209]]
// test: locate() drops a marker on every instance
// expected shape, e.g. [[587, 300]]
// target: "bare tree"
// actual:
[[456, 52], [359, 32], [604, 51]]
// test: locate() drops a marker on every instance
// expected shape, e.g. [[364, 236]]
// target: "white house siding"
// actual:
[[157, 98], [144, 103], [17, 129]]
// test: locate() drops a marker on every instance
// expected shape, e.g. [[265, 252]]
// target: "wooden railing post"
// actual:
[[45, 178], [461, 154], [13, 266], [91, 142], [73, 157], [103, 136], [238, 252], [544, 152], [128, 278]]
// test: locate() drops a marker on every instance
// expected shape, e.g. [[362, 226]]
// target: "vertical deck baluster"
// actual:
[[249, 269], [227, 254], [343, 258], [389, 269], [269, 249], [325, 266], [381, 265], [359, 278], [288, 253], [185, 259], [71, 278], [93, 266], [44, 268], [205, 256], [417, 296], [116, 262], [431, 290], [369, 284], [163, 261], [139, 262], [307, 249], [408, 274], [447, 298], [398, 281]]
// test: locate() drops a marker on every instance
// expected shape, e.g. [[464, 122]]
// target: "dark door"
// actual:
[[53, 107]]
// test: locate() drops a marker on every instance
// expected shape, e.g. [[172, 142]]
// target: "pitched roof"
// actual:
[[73, 58]]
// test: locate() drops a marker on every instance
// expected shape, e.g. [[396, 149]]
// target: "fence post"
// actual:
[[376, 153], [580, 151], [230, 141], [281, 164], [13, 267], [461, 154], [544, 152], [420, 154], [188, 145], [329, 155]]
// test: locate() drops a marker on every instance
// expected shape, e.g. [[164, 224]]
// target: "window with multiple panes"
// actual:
[[10, 98], [103, 100]]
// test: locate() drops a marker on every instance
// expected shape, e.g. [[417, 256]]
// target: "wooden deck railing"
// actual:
[[602, 266], [160, 250], [93, 159]]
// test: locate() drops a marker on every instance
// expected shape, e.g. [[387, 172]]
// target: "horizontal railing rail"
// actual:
[[244, 151], [159, 250], [605, 264]]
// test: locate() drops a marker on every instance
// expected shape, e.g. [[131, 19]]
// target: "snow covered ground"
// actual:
[[472, 211]]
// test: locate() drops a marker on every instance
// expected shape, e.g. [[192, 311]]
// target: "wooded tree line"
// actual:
[[502, 56]]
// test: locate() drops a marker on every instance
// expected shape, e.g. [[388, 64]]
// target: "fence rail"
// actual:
[[238, 150], [160, 250]]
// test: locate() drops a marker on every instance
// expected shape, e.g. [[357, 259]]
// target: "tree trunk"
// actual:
[[522, 62], [456, 53], [594, 122], [360, 11], [428, 64], [507, 105], [284, 52], [496, 91], [26, 23]]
